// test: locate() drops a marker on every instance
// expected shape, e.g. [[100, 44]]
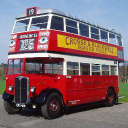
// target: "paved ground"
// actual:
[[89, 117]]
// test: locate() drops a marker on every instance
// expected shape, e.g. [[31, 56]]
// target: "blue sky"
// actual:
[[107, 13]]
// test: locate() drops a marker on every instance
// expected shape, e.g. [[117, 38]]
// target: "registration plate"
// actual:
[[27, 44]]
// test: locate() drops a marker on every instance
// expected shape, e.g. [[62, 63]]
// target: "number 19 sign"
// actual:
[[32, 11]]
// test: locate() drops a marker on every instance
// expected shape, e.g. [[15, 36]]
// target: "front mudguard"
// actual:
[[7, 97], [42, 97]]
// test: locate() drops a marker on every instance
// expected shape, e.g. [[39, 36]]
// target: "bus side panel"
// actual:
[[86, 89], [82, 89], [111, 81], [48, 82]]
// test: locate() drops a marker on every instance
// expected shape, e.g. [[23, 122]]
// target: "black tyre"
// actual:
[[110, 100], [10, 108], [53, 107]]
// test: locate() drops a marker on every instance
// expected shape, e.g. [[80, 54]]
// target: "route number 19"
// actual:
[[31, 11]]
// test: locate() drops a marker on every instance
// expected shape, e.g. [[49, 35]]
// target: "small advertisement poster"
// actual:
[[12, 46], [43, 40]]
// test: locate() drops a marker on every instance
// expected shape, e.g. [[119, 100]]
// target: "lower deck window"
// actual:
[[105, 69], [53, 68], [84, 69], [95, 69], [72, 68], [113, 70]]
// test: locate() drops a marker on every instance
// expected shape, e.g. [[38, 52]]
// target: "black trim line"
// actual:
[[63, 53]]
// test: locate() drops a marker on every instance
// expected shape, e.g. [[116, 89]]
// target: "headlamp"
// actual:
[[32, 89], [10, 88]]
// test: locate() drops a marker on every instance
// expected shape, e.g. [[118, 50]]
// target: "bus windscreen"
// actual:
[[21, 25]]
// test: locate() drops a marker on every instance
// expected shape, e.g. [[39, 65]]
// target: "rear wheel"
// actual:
[[110, 98], [53, 107], [10, 108]]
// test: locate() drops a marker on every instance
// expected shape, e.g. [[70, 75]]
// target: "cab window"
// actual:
[[33, 66], [15, 66]]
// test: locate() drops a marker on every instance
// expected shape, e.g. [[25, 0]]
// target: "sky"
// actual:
[[111, 14]]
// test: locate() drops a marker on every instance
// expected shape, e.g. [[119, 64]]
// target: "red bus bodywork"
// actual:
[[57, 52], [51, 46], [76, 89]]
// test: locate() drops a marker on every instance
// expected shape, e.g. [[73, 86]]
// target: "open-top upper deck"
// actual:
[[52, 31]]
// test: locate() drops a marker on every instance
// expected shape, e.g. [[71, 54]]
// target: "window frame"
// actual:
[[115, 38], [121, 40], [97, 70], [34, 63], [15, 69], [20, 26], [53, 68], [72, 27], [88, 29], [105, 70], [107, 35], [85, 64], [73, 69], [114, 72], [30, 21], [37, 17], [38, 23], [51, 22], [94, 33]]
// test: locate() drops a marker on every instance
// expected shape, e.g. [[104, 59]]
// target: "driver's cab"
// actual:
[[35, 66]]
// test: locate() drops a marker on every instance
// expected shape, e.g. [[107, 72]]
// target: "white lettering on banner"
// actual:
[[44, 33], [14, 36], [32, 35], [42, 46], [11, 49]]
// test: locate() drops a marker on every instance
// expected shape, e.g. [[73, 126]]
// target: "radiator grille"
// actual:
[[21, 90]]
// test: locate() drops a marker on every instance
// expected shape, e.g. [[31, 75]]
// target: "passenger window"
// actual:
[[112, 38], [104, 36], [120, 54], [113, 70], [53, 68], [21, 25], [72, 68], [119, 41], [39, 23], [105, 69], [71, 26], [84, 69], [57, 23], [84, 30], [94, 33], [95, 69]]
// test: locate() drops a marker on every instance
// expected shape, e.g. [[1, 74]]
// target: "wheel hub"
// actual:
[[54, 105]]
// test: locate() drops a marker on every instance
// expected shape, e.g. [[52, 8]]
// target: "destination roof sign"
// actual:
[[32, 11]]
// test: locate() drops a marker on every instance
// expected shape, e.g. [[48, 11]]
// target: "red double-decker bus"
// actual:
[[56, 61]]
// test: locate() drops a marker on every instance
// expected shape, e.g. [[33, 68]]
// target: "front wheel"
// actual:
[[10, 108], [53, 107], [110, 98]]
